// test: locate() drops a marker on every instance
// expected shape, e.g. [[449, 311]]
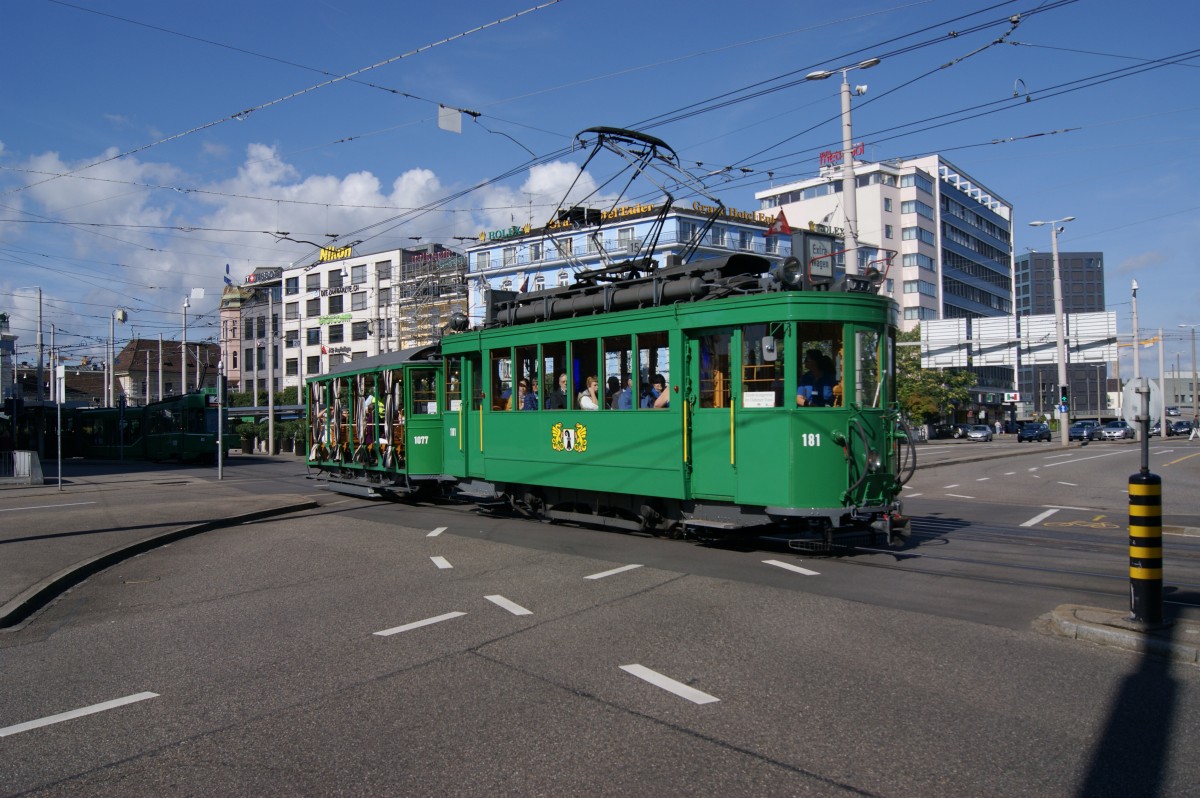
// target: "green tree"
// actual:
[[924, 394]]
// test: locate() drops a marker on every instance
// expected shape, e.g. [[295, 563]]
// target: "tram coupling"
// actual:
[[895, 527]]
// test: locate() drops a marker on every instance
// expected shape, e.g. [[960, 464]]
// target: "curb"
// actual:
[[15, 613], [1114, 629]]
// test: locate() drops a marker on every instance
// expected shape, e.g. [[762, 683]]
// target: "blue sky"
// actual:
[[139, 101]]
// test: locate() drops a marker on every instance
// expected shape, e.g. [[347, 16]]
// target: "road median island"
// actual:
[[17, 611]]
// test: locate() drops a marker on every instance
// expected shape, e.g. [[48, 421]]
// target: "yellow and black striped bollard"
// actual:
[[1145, 548]]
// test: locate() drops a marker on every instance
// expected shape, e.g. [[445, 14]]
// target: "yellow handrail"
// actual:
[[686, 405], [731, 429]]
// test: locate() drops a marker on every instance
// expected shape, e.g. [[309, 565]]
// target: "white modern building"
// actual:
[[282, 325], [533, 259], [949, 236]]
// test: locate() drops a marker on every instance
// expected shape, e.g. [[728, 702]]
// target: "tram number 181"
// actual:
[[811, 439]]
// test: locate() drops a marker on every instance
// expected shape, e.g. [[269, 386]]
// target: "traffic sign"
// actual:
[[1131, 401]]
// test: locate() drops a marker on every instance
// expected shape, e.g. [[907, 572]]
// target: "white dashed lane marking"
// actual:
[[670, 685], [603, 574], [436, 532], [1039, 518], [418, 624], [788, 566], [513, 607], [441, 562], [75, 713]]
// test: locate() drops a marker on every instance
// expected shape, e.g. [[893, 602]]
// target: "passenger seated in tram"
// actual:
[[816, 385], [658, 398], [588, 398], [623, 399], [557, 399]]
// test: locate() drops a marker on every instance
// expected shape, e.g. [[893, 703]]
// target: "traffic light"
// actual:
[[1064, 395]]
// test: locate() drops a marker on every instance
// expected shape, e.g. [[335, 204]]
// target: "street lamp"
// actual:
[[1064, 411], [118, 315], [183, 349], [849, 184], [1195, 414]]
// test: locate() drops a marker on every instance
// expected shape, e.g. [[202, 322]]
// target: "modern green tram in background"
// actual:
[[731, 449], [182, 428]]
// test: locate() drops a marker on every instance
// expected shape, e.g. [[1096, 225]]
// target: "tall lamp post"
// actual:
[[1195, 408], [118, 315], [849, 181], [1064, 409]]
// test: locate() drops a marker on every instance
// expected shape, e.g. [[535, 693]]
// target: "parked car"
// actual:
[[1116, 431], [1181, 428], [1082, 430], [979, 432], [1034, 432], [959, 430]]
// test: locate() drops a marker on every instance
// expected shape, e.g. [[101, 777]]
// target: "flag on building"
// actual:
[[449, 119], [779, 227], [324, 351], [228, 279]]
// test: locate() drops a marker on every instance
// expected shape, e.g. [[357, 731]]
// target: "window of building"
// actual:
[[510, 256], [566, 246], [291, 339], [687, 232], [358, 300], [337, 333], [312, 307], [291, 311], [312, 336], [291, 367], [563, 278], [919, 180], [539, 282], [917, 259], [358, 274], [336, 278], [383, 270], [312, 364], [234, 358], [483, 261], [312, 282], [745, 240], [888, 231], [291, 285], [336, 303], [917, 234], [887, 204], [360, 331], [385, 297], [917, 207], [717, 236], [535, 251], [626, 240]]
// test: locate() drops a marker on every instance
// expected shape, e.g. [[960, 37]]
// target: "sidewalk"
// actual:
[[51, 540]]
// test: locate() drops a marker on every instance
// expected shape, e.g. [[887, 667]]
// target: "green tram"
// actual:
[[182, 428], [737, 435]]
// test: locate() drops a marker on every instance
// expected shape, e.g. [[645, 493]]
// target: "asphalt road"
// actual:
[[702, 671]]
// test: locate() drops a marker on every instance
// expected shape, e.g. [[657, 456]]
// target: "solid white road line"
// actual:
[[44, 507], [788, 566], [603, 574], [76, 713], [959, 496], [436, 532], [418, 624], [511, 606], [1039, 518], [441, 562], [1069, 484], [670, 685]]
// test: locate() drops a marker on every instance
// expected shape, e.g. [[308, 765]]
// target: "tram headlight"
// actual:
[[791, 273], [874, 460]]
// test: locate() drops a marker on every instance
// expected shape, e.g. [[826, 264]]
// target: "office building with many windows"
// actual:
[[1082, 277]]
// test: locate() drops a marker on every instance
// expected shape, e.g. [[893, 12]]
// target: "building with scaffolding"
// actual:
[[280, 326]]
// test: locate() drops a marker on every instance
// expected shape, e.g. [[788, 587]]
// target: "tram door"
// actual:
[[462, 455], [423, 435], [712, 365]]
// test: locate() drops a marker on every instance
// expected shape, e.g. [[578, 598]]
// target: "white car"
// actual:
[[1116, 431], [979, 432]]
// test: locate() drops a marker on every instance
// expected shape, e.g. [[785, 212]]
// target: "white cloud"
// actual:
[[1141, 262]]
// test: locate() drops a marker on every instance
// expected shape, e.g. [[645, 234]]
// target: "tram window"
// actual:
[[618, 367], [654, 358], [424, 391], [554, 365], [527, 374], [195, 420], [763, 362], [819, 364], [867, 387], [500, 374], [453, 383], [476, 383], [583, 368], [714, 388]]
